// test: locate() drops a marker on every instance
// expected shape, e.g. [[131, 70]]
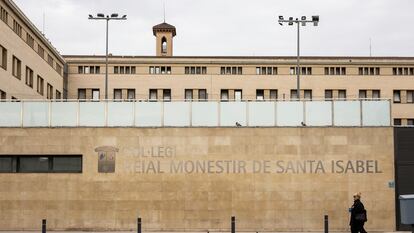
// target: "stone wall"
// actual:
[[194, 179]]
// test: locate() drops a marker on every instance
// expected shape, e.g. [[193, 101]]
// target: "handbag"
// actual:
[[361, 216]]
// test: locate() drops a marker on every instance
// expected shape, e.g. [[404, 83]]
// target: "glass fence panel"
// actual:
[[120, 114], [10, 114], [232, 113], [64, 114], [289, 113], [347, 113], [375, 113], [204, 113], [92, 114], [261, 113], [318, 113], [177, 113], [148, 114], [36, 114]]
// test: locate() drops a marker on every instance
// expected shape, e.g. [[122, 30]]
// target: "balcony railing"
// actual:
[[195, 114]]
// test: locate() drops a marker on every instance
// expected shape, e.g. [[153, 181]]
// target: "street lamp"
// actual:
[[101, 16], [302, 21]]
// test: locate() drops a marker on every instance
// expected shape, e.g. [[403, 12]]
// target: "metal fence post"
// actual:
[[326, 221], [43, 225], [139, 225], [233, 224]]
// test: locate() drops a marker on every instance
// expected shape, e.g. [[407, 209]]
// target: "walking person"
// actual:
[[358, 215]]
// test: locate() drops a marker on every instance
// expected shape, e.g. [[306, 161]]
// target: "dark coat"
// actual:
[[357, 208]]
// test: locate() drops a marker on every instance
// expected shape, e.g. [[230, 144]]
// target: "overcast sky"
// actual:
[[229, 27]]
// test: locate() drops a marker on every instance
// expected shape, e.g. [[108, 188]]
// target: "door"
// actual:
[[404, 168]]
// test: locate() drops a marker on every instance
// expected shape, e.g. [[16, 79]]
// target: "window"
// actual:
[[29, 77], [293, 94], [58, 95], [95, 94], [342, 94], [119, 69], [188, 95], [17, 68], [397, 96], [195, 70], [328, 94], [4, 15], [131, 94], [83, 69], [160, 70], [2, 95], [410, 122], [166, 93], [335, 70], [41, 164], [238, 95], [29, 40], [304, 70], [3, 57], [369, 71], [403, 70], [231, 70], [81, 94], [224, 95], [397, 121], [163, 45], [153, 94], [49, 91], [376, 94], [41, 51], [260, 94], [308, 94], [202, 94], [117, 94], [266, 70], [50, 60], [410, 96], [362, 94], [59, 69], [17, 28], [40, 85], [273, 94]]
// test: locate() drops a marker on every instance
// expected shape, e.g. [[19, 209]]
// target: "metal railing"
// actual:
[[136, 113]]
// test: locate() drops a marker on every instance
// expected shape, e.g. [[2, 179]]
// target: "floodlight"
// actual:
[[290, 21], [101, 15], [114, 15], [315, 20]]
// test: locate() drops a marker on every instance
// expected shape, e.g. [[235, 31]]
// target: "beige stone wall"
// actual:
[[170, 200]]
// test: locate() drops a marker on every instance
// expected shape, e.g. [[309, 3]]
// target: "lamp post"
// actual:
[[303, 22], [101, 16]]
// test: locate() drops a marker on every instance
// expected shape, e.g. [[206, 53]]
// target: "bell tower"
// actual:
[[164, 34]]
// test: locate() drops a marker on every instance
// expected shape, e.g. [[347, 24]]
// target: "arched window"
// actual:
[[163, 45]]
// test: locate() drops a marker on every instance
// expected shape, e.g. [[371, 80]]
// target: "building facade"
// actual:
[[30, 67]]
